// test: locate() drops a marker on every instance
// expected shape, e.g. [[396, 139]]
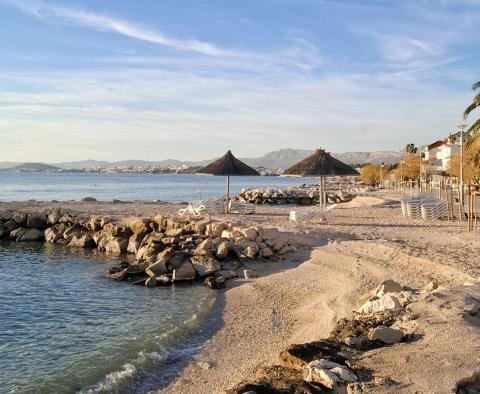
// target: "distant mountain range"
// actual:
[[282, 158]]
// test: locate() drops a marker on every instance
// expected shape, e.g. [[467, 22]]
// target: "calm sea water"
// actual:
[[145, 187], [66, 329]]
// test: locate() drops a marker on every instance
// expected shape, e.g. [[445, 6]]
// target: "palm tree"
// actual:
[[474, 129], [410, 149], [473, 133]]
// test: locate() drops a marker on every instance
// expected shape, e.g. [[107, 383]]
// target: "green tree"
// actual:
[[411, 149]]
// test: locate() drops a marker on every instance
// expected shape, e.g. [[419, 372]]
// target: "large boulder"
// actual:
[[83, 241], [328, 373], [10, 225], [53, 234], [2, 229], [184, 272], [205, 264], [115, 245], [388, 302], [387, 286], [30, 235], [139, 225], [20, 218], [222, 250], [54, 216], [135, 241], [75, 230], [387, 335], [206, 246], [37, 220], [214, 230]]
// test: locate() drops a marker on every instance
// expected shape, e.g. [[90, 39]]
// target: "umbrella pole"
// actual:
[[320, 192], [228, 192]]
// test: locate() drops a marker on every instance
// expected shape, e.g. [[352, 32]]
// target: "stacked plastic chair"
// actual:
[[434, 209]]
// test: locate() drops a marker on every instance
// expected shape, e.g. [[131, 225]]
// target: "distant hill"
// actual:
[[282, 158], [32, 167]]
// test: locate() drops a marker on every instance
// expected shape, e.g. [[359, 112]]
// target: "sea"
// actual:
[[64, 328]]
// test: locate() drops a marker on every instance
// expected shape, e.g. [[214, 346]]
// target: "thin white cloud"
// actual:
[[81, 17]]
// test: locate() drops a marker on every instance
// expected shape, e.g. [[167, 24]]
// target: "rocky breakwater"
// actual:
[[301, 195], [166, 249], [329, 365]]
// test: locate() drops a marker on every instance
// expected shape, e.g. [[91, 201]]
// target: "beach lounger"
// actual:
[[210, 206], [313, 215], [241, 207], [434, 209]]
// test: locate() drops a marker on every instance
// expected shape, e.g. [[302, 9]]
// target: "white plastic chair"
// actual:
[[241, 207]]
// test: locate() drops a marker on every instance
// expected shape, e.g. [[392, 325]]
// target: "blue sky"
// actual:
[[118, 79]]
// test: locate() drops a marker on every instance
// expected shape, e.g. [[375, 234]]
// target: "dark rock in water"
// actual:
[[164, 280], [37, 220], [214, 283], [20, 218], [88, 199], [11, 225], [298, 356], [276, 380], [84, 241], [151, 282], [140, 281], [115, 274], [124, 264], [114, 269]]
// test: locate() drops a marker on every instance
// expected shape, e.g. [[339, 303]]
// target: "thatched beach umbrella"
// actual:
[[321, 164], [228, 165]]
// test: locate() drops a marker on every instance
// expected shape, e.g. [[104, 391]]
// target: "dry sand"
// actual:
[[298, 300]]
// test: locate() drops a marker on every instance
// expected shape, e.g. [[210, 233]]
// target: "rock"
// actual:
[[250, 252], [10, 225], [206, 245], [266, 252], [88, 199], [214, 230], [328, 373], [117, 275], [205, 365], [231, 234], [20, 218], [287, 249], [53, 234], [387, 335], [30, 235], [174, 232], [354, 341], [214, 282], [84, 241], [54, 216], [2, 229], [104, 220], [471, 309], [140, 226], [185, 272], [156, 269], [163, 280], [176, 260], [116, 245], [248, 274], [151, 282], [297, 356], [37, 220], [222, 250], [387, 302], [205, 264], [135, 241], [387, 286], [227, 274], [73, 230], [250, 233], [433, 285], [165, 255]]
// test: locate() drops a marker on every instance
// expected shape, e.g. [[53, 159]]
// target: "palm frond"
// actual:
[[473, 132], [476, 85], [471, 107]]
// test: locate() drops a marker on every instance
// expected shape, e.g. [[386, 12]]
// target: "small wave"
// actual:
[[113, 381]]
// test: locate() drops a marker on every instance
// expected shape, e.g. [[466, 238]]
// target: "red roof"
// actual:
[[436, 144]]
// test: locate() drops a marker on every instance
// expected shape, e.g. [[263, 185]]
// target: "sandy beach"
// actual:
[[299, 299]]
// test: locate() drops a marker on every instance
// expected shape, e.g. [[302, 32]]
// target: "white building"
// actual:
[[439, 154]]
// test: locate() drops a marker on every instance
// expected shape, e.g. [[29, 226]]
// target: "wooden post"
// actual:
[[446, 200], [228, 193], [459, 203], [320, 192]]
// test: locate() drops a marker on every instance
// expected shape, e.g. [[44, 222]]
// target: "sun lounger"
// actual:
[[313, 215], [434, 210], [210, 206], [241, 207]]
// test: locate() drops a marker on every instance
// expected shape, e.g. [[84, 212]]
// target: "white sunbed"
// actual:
[[313, 215], [241, 207], [434, 209], [210, 206]]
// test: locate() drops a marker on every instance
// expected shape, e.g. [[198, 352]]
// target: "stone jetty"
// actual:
[[166, 249], [301, 195]]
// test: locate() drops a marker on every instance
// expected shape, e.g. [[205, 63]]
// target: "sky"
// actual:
[[189, 79]]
